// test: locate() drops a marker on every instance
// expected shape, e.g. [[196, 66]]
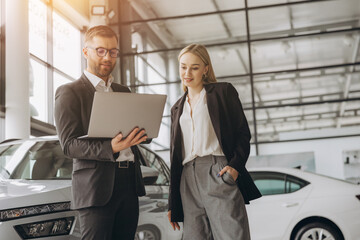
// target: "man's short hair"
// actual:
[[100, 30]]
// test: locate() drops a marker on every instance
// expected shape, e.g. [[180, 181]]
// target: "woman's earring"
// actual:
[[204, 76]]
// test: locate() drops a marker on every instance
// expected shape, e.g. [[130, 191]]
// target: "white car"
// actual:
[[35, 193], [298, 205]]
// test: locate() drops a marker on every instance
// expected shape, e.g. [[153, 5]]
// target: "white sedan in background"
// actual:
[[298, 205], [35, 195]]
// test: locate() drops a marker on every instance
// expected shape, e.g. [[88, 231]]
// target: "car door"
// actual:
[[283, 196]]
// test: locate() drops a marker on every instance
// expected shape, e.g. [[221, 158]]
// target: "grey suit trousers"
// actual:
[[213, 206]]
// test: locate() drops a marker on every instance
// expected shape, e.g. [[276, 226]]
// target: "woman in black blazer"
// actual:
[[210, 144]]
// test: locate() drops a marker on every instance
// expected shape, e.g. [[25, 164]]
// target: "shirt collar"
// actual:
[[202, 94], [96, 81]]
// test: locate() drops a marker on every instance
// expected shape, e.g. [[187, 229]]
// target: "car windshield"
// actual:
[[44, 160], [6, 153], [34, 161]]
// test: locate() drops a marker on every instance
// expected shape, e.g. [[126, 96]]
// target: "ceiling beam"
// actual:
[[149, 19], [264, 128], [348, 80], [144, 10], [321, 28], [307, 116]]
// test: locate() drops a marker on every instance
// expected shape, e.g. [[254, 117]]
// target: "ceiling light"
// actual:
[[111, 14], [285, 46], [348, 40], [253, 49], [222, 53], [98, 10]]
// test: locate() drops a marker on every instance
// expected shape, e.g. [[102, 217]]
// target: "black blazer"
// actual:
[[94, 161], [233, 134]]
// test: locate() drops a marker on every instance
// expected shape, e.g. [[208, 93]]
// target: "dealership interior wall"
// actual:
[[295, 64]]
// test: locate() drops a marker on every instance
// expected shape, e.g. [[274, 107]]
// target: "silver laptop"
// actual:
[[115, 112]]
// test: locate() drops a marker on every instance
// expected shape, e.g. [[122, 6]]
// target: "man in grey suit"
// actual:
[[107, 178]]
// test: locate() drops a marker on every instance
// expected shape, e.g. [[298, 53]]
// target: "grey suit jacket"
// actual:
[[94, 161]]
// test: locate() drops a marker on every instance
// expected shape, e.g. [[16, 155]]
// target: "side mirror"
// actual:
[[149, 174]]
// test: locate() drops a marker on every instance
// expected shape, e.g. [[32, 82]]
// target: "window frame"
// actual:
[[50, 70]]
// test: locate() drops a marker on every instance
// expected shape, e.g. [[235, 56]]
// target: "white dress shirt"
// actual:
[[199, 138], [101, 86]]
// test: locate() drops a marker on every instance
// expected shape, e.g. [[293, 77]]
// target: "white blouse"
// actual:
[[198, 135]]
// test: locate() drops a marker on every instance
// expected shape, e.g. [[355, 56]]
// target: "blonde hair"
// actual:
[[200, 51], [100, 30]]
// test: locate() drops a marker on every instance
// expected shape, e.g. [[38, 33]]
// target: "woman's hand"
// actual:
[[173, 224], [230, 170]]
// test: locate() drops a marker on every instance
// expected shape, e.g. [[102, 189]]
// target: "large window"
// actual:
[[38, 29], [295, 64], [2, 72], [66, 47], [38, 90], [55, 57]]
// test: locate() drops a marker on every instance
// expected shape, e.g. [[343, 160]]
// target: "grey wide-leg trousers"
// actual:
[[213, 206]]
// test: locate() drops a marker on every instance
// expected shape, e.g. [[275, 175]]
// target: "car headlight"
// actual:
[[53, 227], [9, 214]]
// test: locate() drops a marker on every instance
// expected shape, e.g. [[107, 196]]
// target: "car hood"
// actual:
[[19, 193]]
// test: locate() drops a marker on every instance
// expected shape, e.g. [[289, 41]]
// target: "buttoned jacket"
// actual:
[[93, 160]]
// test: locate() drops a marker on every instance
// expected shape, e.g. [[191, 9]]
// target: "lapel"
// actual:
[[213, 108], [87, 92], [88, 87], [116, 88], [178, 109]]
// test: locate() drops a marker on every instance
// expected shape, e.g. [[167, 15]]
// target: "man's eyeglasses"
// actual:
[[101, 52]]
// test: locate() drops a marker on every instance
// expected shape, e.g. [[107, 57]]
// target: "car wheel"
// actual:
[[147, 232], [317, 231]]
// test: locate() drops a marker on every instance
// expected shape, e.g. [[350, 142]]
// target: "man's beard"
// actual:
[[103, 72]]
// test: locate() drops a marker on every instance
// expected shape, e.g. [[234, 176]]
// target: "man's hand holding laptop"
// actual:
[[136, 136]]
